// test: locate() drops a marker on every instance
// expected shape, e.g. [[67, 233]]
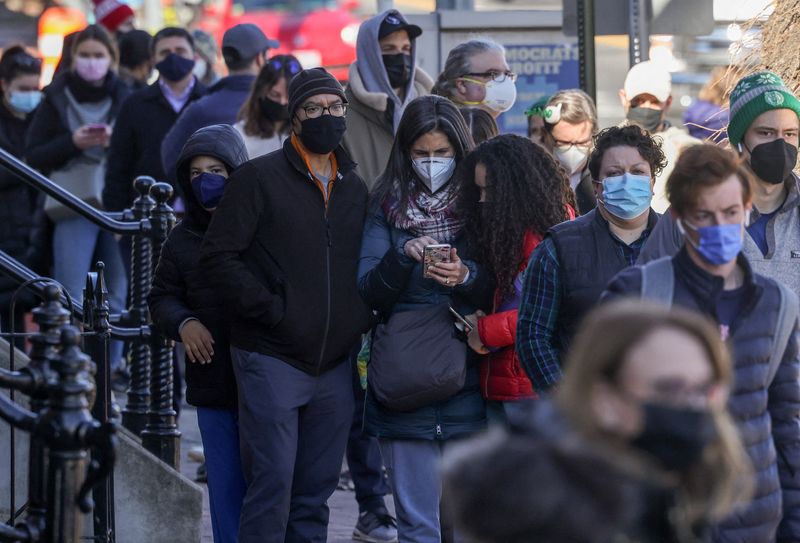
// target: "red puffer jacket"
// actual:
[[502, 376]]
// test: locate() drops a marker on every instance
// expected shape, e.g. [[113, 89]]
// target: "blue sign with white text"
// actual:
[[542, 70]]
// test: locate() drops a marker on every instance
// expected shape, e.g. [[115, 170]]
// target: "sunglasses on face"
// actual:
[[291, 66]]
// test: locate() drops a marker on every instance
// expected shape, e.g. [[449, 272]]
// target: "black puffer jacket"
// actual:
[[23, 228], [180, 291], [766, 413]]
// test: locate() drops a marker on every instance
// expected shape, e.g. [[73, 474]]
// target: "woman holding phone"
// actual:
[[414, 206], [67, 141]]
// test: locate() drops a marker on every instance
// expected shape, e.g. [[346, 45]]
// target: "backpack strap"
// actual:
[[658, 281], [787, 318]]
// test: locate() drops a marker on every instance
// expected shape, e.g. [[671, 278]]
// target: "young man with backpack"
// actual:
[[711, 196]]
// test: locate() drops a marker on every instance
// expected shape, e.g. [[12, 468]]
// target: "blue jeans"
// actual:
[[293, 431], [219, 429], [413, 467], [77, 245]]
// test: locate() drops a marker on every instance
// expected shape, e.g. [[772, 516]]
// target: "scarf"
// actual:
[[433, 215]]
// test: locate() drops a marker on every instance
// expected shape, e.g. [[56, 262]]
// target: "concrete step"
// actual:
[[154, 503]]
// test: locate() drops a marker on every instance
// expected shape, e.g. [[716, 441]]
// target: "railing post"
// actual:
[[95, 313], [64, 425], [50, 316], [134, 415], [161, 435]]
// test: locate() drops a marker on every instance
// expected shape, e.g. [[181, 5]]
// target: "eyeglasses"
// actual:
[[291, 66], [494, 75], [313, 111], [564, 145]]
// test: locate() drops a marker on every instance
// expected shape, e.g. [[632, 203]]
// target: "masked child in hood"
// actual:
[[185, 308]]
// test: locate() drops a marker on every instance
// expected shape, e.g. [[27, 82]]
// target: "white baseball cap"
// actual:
[[648, 78]]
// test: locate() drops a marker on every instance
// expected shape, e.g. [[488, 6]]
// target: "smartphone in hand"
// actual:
[[96, 128], [433, 254], [461, 321]]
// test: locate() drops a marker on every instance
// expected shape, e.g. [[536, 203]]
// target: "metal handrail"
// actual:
[[105, 220], [20, 274]]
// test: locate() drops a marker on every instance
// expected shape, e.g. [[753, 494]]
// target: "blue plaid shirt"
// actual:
[[539, 308]]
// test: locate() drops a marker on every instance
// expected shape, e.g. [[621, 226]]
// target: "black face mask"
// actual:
[[175, 67], [676, 437], [773, 162], [398, 68], [649, 119], [323, 134], [274, 111]]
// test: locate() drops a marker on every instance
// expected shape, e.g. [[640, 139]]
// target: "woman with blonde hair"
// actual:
[[645, 407]]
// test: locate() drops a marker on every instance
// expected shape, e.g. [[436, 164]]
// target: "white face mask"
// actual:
[[572, 158], [500, 97], [200, 67], [435, 172]]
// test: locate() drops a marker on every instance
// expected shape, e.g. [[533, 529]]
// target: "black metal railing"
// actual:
[[148, 411], [61, 427]]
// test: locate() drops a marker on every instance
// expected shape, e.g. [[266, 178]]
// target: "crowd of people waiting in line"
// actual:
[[619, 306]]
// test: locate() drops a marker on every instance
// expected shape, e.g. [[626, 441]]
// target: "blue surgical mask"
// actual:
[[627, 196], [719, 243], [208, 188], [25, 101]]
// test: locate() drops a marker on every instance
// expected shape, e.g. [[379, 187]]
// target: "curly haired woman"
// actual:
[[508, 174]]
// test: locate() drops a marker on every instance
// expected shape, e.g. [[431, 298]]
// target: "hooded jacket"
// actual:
[[285, 259], [374, 110], [783, 241], [180, 291], [766, 413]]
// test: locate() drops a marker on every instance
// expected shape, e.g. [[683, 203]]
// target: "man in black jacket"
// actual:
[[147, 115], [711, 196], [283, 250]]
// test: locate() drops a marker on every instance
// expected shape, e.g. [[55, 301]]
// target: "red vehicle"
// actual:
[[317, 32]]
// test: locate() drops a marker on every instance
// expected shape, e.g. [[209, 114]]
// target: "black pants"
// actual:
[[364, 455]]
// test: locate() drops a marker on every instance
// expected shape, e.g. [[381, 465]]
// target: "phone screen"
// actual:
[[433, 254]]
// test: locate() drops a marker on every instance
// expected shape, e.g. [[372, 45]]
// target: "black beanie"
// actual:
[[310, 83]]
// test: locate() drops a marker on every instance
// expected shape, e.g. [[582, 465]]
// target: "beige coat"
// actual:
[[370, 135]]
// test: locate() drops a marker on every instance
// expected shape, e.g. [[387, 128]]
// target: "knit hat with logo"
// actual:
[[111, 13], [754, 95]]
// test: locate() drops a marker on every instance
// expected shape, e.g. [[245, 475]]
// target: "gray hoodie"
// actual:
[[369, 62], [783, 239]]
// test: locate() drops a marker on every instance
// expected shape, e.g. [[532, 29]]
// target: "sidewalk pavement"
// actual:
[[344, 510]]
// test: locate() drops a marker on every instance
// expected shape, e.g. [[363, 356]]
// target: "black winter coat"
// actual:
[[144, 119], [180, 290], [286, 261], [23, 228], [49, 143], [767, 414]]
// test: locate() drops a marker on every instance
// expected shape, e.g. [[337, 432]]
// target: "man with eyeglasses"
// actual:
[[283, 249], [570, 123], [646, 97], [476, 74]]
